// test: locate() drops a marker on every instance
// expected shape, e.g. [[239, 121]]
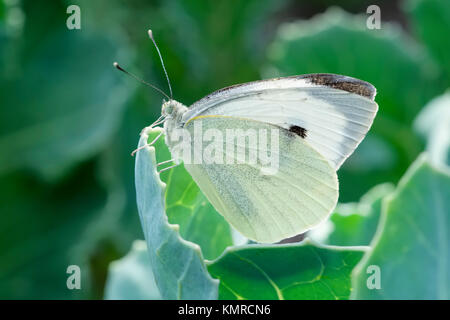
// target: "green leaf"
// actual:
[[177, 264], [337, 42], [433, 123], [412, 244], [430, 19], [187, 207], [353, 224], [131, 277], [299, 271]]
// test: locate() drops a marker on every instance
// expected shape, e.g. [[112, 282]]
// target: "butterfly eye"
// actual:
[[168, 109]]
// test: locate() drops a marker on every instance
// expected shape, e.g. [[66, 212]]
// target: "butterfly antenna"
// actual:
[[116, 65], [150, 34]]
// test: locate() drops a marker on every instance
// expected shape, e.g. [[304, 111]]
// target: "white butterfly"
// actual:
[[321, 119]]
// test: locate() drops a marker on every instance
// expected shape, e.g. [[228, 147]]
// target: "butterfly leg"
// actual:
[[148, 144], [173, 166], [164, 162], [167, 161]]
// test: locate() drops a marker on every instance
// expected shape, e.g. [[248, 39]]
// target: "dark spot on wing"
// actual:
[[298, 131], [344, 83]]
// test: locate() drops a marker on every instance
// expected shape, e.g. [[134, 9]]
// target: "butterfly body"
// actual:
[[173, 112]]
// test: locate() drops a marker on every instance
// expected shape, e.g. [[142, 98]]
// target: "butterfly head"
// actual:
[[172, 109]]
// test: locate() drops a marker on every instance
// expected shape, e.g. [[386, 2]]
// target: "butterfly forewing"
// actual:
[[334, 112]]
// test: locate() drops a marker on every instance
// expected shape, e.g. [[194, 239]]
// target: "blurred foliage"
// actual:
[[430, 21], [69, 120], [433, 123], [336, 42]]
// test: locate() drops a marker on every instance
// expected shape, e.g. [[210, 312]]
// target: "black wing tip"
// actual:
[[300, 131], [341, 82], [336, 81]]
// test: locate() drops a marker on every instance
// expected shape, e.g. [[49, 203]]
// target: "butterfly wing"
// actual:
[[333, 112], [296, 196]]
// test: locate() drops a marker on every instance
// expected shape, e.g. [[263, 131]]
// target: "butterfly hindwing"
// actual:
[[266, 203]]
